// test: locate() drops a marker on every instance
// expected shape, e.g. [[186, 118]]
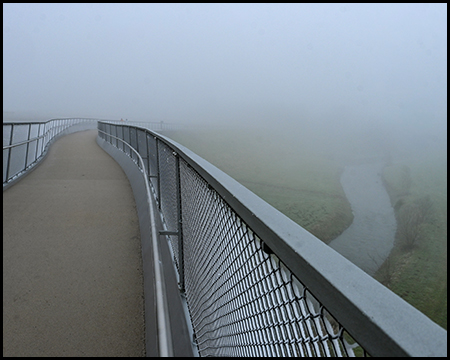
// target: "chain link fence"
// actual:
[[253, 292], [243, 300]]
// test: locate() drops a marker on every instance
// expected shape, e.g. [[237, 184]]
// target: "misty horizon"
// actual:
[[337, 67]]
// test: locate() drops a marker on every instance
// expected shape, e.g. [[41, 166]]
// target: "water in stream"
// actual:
[[369, 239]]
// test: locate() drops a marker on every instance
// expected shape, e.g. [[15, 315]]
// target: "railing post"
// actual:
[[179, 222], [28, 146], [158, 173], [148, 155], [37, 143], [137, 143], [9, 152]]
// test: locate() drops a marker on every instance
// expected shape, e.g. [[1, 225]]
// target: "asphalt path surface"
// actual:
[[72, 265]]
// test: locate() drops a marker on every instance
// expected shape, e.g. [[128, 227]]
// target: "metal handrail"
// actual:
[[52, 129], [379, 320], [163, 323], [39, 123], [23, 142]]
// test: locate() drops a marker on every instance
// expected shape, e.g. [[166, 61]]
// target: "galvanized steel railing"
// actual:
[[256, 283], [26, 143]]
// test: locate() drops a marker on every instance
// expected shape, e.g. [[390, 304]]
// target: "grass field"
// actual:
[[419, 273], [303, 182], [303, 186]]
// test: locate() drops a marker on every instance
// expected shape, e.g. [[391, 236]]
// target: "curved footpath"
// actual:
[[72, 267]]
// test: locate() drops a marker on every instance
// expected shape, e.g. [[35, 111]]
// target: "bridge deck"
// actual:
[[72, 268]]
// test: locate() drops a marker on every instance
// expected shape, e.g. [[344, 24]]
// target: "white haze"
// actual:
[[341, 68]]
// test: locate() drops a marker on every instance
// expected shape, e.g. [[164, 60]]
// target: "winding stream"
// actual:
[[369, 239]]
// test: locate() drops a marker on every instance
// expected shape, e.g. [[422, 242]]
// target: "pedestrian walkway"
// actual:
[[72, 267]]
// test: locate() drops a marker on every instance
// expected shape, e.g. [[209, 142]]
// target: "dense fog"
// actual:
[[371, 70]]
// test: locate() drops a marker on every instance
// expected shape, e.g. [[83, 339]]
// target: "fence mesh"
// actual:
[[242, 300]]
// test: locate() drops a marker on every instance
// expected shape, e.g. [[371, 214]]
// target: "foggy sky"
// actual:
[[327, 64]]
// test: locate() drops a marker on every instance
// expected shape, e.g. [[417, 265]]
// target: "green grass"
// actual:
[[304, 186], [303, 182], [419, 274]]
